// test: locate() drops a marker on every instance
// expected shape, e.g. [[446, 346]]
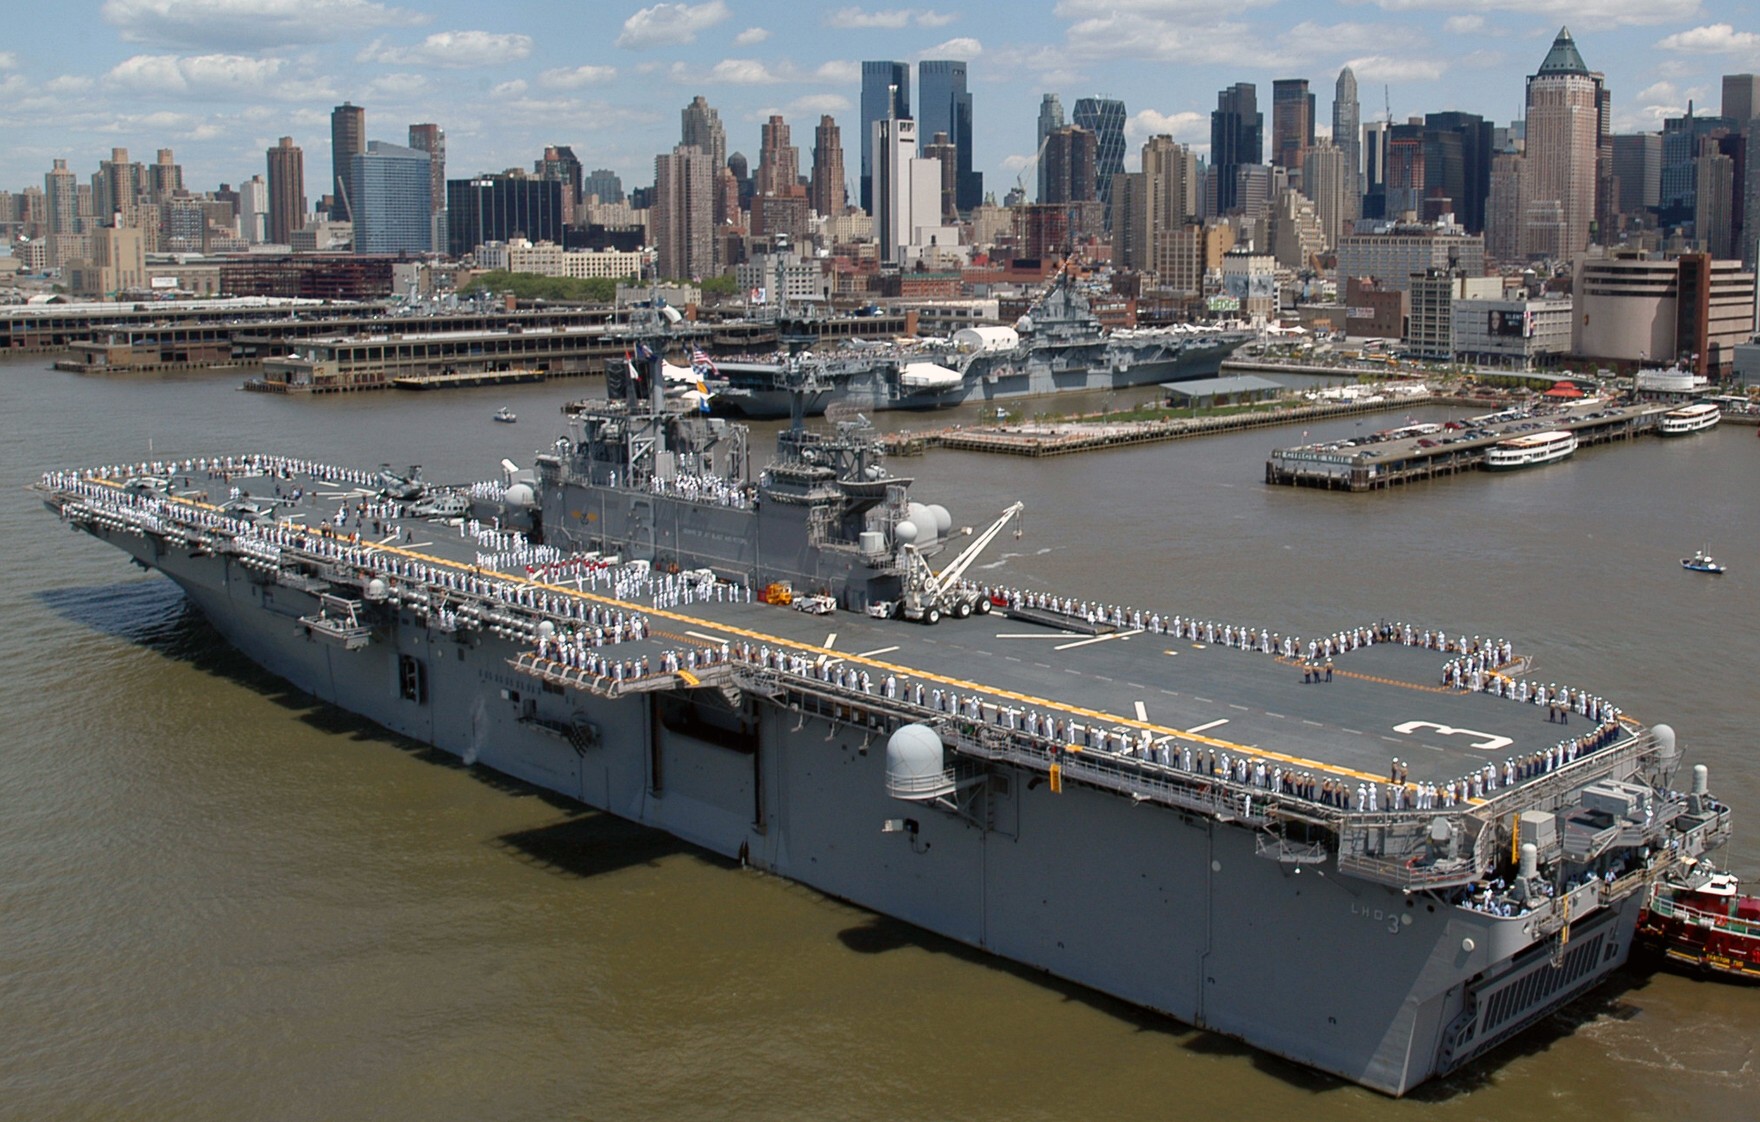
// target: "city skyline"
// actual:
[[219, 81]]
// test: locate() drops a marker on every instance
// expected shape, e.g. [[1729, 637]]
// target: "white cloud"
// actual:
[[1339, 38], [818, 103], [8, 60], [1148, 9], [843, 71], [1575, 13], [856, 19], [1464, 25], [670, 24], [964, 48], [172, 74], [1381, 68], [751, 36], [1714, 39], [886, 19], [68, 83], [742, 72], [454, 50], [403, 84], [1184, 125], [574, 77], [245, 24], [511, 88]]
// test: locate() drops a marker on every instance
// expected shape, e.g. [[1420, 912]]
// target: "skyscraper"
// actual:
[[1329, 180], [1050, 120], [827, 191], [348, 136], [1236, 138], [1741, 98], [60, 196], [603, 183], [1292, 122], [886, 92], [779, 162], [164, 177], [391, 199], [430, 139], [560, 163], [1347, 128], [1104, 117], [684, 212], [1565, 123], [945, 105], [702, 129], [287, 191], [1463, 174], [906, 188], [1071, 163], [498, 207]]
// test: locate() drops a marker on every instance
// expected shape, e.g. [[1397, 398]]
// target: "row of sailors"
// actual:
[[703, 488], [1483, 660], [669, 590], [1484, 781], [529, 558], [574, 647], [488, 490], [1247, 638], [1560, 702], [492, 537], [229, 467], [670, 661]]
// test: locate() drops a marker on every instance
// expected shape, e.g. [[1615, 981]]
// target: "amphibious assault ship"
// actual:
[[1202, 817], [1059, 346]]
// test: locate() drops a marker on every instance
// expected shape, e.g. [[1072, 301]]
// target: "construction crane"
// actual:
[[929, 595]]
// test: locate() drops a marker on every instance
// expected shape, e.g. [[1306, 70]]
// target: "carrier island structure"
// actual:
[[1206, 818]]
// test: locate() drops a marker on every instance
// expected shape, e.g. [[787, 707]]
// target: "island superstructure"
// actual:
[[1375, 847]]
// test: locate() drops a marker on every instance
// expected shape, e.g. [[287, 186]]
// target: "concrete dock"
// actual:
[[1412, 453]]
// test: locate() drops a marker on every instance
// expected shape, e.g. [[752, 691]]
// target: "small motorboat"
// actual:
[[1702, 562], [506, 416]]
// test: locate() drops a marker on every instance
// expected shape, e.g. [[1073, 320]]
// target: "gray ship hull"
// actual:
[[877, 386], [1174, 911]]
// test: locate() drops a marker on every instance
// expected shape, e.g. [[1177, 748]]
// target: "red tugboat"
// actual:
[[1706, 923]]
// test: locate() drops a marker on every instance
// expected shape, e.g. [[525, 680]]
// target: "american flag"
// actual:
[[701, 364]]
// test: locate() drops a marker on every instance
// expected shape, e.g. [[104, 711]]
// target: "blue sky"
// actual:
[[219, 80]]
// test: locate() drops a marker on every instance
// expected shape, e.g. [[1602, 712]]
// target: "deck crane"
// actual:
[[929, 595]]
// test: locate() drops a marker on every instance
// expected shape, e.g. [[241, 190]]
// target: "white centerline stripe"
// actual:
[[1211, 725], [1097, 639], [830, 640], [876, 651], [1033, 635], [705, 638], [1142, 711]]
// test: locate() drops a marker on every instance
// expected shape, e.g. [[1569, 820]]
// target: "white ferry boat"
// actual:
[[1696, 417], [1530, 450]]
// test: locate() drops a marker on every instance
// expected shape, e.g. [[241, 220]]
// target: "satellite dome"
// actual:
[[520, 494], [943, 520], [905, 532], [914, 764]]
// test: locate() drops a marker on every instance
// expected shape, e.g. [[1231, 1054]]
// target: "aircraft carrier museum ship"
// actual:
[[1060, 346], [608, 624]]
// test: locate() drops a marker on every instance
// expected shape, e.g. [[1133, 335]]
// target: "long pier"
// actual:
[[1065, 438], [1377, 464]]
